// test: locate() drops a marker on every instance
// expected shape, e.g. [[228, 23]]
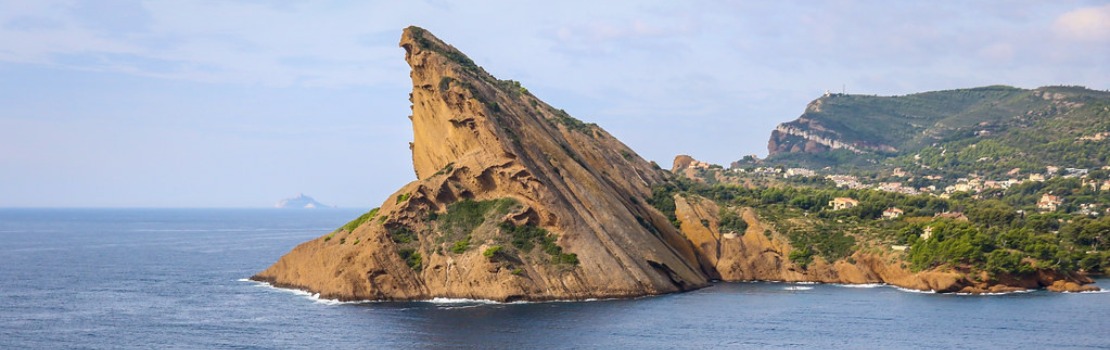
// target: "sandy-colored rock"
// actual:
[[479, 138], [760, 254], [1071, 287], [681, 162]]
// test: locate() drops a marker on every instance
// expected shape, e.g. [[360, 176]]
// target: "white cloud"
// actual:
[[1090, 24], [998, 52], [223, 42]]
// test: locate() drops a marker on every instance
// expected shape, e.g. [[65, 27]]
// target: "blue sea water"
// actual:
[[173, 278]]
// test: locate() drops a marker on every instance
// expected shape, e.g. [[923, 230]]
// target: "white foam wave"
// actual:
[[451, 301], [863, 285], [907, 290], [797, 288], [454, 302], [1100, 291], [315, 297], [1001, 293]]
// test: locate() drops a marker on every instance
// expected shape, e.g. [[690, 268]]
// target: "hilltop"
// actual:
[[988, 130]]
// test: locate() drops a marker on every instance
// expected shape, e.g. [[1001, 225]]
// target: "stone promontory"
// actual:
[[514, 200]]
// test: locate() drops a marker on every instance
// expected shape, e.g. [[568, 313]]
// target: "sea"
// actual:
[[176, 279]]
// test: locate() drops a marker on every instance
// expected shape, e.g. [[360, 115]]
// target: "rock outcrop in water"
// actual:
[[517, 200], [301, 201], [514, 199]]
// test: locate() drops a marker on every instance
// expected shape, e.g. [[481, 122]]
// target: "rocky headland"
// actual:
[[517, 200], [514, 200]]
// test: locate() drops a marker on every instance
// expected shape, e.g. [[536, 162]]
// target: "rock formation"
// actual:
[[517, 200], [760, 254], [514, 199], [301, 201]]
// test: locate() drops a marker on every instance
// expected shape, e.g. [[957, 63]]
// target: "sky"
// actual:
[[124, 103]]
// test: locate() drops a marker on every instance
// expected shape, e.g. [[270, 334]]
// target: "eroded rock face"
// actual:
[[761, 254], [557, 207]]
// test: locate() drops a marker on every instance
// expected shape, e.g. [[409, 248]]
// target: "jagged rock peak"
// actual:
[[500, 174]]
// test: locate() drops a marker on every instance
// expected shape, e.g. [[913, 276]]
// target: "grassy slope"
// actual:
[[1025, 129]]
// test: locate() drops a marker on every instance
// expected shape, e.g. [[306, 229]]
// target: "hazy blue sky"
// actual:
[[242, 103]]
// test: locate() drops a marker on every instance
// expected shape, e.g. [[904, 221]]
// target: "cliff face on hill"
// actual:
[[514, 199], [934, 129]]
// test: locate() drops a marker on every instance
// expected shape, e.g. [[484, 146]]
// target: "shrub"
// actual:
[[492, 251], [351, 226], [466, 215], [829, 242], [732, 222], [627, 155], [527, 237], [460, 246], [402, 235], [803, 257], [411, 257], [403, 197]]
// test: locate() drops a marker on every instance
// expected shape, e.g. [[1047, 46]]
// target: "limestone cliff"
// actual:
[[514, 199], [845, 131]]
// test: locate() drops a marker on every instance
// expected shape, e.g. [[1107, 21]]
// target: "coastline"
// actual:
[[794, 286]]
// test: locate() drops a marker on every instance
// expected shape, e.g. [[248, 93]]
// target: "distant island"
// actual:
[[986, 190], [301, 201]]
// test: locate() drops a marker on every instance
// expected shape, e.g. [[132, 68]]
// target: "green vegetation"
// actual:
[[411, 257], [1004, 233], [527, 237], [461, 218], [824, 240], [461, 246], [627, 155], [987, 130], [731, 222], [446, 50], [513, 87], [446, 169], [403, 197], [402, 235], [328, 237], [492, 251], [561, 117], [802, 257], [952, 244], [464, 216], [662, 197], [351, 226]]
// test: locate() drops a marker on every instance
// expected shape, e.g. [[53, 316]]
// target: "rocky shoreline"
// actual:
[[515, 200]]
